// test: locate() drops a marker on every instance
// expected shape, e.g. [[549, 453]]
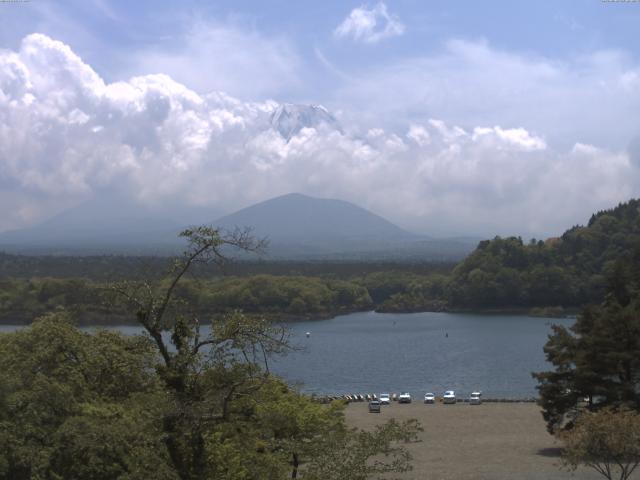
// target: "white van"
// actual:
[[449, 397]]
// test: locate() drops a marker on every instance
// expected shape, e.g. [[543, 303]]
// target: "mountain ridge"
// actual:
[[295, 217], [298, 227]]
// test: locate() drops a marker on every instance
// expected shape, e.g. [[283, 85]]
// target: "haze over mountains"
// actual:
[[297, 226], [107, 225]]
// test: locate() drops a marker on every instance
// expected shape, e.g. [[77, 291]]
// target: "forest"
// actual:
[[553, 276]]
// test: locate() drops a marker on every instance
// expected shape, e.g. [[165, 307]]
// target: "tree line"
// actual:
[[568, 271], [294, 297], [504, 273]]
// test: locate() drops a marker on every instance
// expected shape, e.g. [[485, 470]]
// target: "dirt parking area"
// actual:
[[492, 441]]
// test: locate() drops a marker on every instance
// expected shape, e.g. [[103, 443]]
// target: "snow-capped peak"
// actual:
[[289, 119]]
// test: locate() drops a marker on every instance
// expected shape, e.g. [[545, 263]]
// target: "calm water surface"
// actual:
[[373, 352]]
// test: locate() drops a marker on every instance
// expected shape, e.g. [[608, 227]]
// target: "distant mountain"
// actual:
[[299, 226], [110, 225], [296, 217], [288, 119]]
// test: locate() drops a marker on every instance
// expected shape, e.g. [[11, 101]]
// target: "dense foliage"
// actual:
[[598, 358], [69, 395], [22, 299], [117, 267], [566, 271], [406, 292], [75, 405]]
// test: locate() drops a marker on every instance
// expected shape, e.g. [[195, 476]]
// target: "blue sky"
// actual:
[[104, 32], [489, 108]]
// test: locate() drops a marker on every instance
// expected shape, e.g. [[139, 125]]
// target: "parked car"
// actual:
[[449, 397], [429, 398], [374, 406], [385, 399], [475, 398], [404, 397]]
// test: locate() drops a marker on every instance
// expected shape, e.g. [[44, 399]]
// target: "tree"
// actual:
[[362, 455], [75, 405], [598, 358], [607, 441], [289, 425], [202, 375], [225, 415]]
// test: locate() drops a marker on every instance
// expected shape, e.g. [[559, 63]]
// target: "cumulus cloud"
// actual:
[[370, 25], [419, 134], [515, 138], [66, 134], [594, 96]]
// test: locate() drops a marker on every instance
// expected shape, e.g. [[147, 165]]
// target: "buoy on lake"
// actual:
[[308, 334]]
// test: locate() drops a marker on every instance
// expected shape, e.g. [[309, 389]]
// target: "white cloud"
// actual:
[[419, 134], [370, 25], [515, 138], [585, 149], [65, 134], [470, 83], [211, 56], [448, 134]]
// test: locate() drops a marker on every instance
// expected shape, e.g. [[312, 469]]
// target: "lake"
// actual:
[[374, 352]]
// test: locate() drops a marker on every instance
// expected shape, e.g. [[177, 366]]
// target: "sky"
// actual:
[[448, 118]]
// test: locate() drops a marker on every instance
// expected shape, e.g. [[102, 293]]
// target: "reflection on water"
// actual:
[[373, 352]]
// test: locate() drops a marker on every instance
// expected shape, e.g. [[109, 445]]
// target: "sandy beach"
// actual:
[[492, 441]]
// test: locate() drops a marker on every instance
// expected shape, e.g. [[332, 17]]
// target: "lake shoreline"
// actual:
[[98, 320]]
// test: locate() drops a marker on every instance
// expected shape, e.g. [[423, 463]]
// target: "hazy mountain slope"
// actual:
[[298, 218], [303, 227], [298, 227], [107, 225]]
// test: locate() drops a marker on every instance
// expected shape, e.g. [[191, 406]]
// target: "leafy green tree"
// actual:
[[598, 358], [607, 441], [202, 375], [75, 405]]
